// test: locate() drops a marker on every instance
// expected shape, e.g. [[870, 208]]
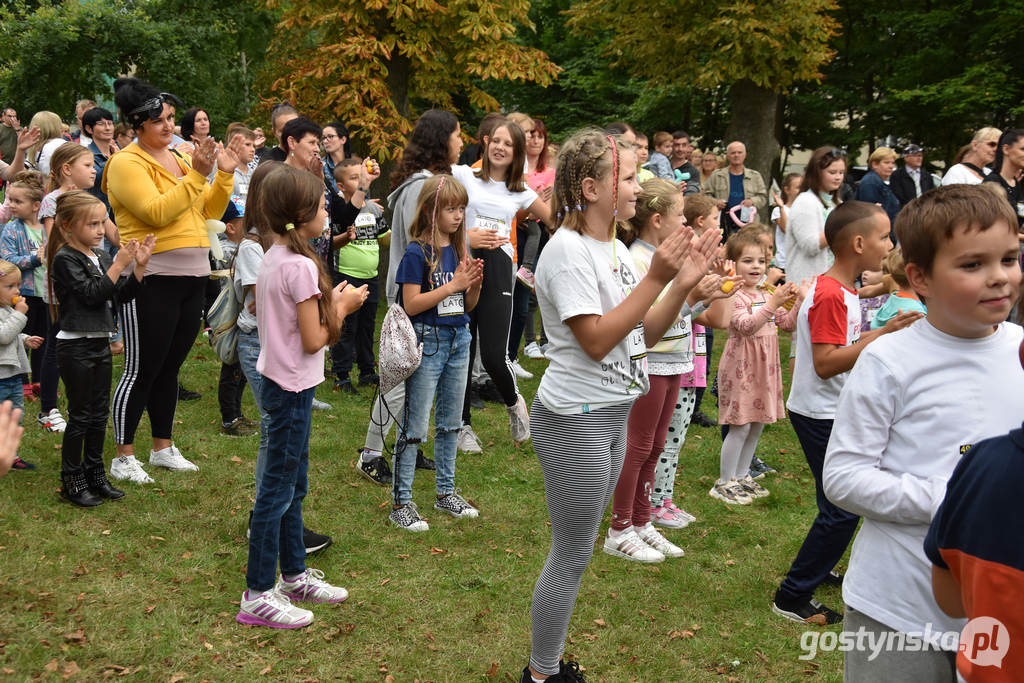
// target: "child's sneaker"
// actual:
[[310, 586], [629, 546], [127, 467], [468, 441], [520, 371], [519, 420], [808, 612], [730, 492], [456, 506], [406, 517], [666, 515], [20, 464], [752, 488], [525, 275], [172, 459], [759, 468], [651, 537], [376, 470], [532, 351], [52, 421], [272, 609]]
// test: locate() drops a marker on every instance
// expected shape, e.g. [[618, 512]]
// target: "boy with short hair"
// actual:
[[914, 403], [356, 263], [659, 163], [243, 172], [829, 340]]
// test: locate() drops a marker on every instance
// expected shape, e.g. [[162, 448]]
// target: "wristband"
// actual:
[[363, 190], [698, 308]]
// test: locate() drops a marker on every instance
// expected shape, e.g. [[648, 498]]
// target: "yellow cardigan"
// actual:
[[147, 198]]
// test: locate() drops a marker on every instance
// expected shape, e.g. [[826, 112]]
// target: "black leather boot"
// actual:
[[75, 490], [101, 486]]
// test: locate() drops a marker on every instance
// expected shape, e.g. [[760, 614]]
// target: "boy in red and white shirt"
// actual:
[[829, 340]]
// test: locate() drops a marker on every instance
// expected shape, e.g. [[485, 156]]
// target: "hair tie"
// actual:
[[437, 194], [289, 226]]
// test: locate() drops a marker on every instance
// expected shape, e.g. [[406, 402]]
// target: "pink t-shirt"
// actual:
[[286, 279], [539, 179], [699, 376]]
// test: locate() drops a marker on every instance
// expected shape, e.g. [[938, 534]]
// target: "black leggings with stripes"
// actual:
[[581, 456], [160, 326]]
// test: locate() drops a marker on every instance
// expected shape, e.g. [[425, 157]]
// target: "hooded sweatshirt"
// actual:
[[402, 203]]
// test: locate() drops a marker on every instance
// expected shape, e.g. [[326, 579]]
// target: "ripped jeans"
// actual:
[[442, 373]]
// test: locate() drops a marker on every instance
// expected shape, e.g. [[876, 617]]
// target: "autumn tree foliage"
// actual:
[[376, 63], [759, 49]]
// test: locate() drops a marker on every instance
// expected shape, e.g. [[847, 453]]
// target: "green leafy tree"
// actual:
[[758, 51], [375, 63]]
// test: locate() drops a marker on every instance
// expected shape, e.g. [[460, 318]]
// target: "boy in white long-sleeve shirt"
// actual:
[[913, 404]]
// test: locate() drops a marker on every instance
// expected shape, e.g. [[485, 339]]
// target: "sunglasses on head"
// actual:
[[153, 107], [835, 153]]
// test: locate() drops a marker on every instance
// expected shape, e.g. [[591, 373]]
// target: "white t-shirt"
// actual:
[[43, 160], [780, 236], [960, 174], [804, 257], [491, 204], [829, 315], [916, 400], [673, 354], [579, 275], [248, 261]]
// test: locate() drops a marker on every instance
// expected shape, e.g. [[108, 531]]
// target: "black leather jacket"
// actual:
[[85, 293]]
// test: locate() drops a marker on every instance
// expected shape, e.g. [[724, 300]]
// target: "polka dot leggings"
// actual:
[[665, 469]]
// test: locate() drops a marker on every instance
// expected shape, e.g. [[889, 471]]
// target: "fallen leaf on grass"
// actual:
[[675, 635], [437, 551], [385, 582], [57, 446], [186, 555], [265, 671], [207, 645], [157, 538], [729, 563], [149, 610], [176, 678], [7, 672], [818, 619], [51, 665], [105, 532], [236, 459], [493, 671], [761, 656], [429, 636], [75, 636], [600, 622], [389, 679], [70, 669]]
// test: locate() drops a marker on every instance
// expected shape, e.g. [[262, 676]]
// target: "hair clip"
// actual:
[[566, 209], [579, 208], [289, 226]]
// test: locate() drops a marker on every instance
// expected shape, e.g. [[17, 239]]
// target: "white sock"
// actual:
[[368, 455], [732, 451], [612, 533]]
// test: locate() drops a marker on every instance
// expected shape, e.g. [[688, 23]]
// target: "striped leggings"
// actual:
[[581, 456]]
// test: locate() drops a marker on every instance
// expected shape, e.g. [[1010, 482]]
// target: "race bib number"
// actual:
[[453, 304], [681, 330], [700, 346], [636, 345], [486, 223], [758, 304], [366, 226]]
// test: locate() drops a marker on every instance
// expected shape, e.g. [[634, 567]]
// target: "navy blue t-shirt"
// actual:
[[736, 195], [415, 268]]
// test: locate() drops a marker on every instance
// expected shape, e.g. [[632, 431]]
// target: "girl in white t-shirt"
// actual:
[[299, 314], [497, 191], [599, 316], [780, 215]]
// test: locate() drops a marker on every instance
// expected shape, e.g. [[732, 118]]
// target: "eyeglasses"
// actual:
[[992, 143], [330, 136]]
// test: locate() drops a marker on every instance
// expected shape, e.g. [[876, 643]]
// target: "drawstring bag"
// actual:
[[400, 350]]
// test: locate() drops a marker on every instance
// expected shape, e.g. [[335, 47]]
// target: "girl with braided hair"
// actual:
[[600, 316]]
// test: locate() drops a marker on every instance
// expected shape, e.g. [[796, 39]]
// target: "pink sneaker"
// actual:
[[668, 516], [525, 275]]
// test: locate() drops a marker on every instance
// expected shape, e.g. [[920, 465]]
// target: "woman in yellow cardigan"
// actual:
[[153, 189]]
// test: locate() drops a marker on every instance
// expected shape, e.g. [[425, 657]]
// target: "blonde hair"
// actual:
[[661, 137], [8, 268], [72, 207], [987, 133], [67, 153], [881, 154], [49, 125], [29, 182], [657, 196], [438, 192], [587, 154]]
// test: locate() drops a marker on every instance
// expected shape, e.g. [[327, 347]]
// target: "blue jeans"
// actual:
[[443, 371], [248, 353], [276, 528], [833, 527], [12, 390]]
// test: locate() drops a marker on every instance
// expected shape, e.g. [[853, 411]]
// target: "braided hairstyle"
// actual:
[[587, 154], [657, 196]]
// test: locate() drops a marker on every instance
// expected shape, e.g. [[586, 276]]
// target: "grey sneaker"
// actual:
[[519, 421], [469, 442], [406, 517], [730, 492], [320, 405], [456, 506]]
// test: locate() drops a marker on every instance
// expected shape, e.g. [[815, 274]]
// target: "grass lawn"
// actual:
[[147, 587]]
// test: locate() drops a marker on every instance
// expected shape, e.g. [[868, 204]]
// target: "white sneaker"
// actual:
[[126, 467], [468, 441], [407, 517], [320, 405], [628, 545], [519, 421], [520, 371], [310, 587], [653, 538], [532, 351], [52, 421], [271, 609], [172, 459]]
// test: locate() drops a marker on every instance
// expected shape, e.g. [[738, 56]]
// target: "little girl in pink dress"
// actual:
[[749, 372]]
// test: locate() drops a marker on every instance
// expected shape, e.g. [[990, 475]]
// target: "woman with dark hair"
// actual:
[[1007, 168], [195, 126], [807, 252], [98, 126], [336, 148], [433, 146], [154, 190]]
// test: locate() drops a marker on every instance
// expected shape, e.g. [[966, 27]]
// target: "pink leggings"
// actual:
[[645, 436]]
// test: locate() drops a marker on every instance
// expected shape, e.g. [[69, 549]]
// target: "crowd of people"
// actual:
[[131, 237]]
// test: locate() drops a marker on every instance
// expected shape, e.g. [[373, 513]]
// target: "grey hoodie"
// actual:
[[402, 203]]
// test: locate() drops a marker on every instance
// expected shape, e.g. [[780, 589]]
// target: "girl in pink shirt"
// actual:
[[299, 314]]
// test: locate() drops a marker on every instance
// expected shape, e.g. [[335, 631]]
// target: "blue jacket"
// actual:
[[16, 247], [873, 189]]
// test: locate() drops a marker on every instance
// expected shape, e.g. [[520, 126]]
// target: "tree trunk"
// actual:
[[754, 111]]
